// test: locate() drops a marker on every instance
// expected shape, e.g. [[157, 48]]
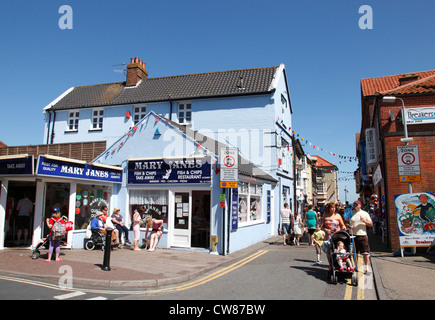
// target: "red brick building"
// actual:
[[381, 132]]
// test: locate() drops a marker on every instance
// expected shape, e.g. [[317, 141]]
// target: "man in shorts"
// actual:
[[286, 217], [360, 221]]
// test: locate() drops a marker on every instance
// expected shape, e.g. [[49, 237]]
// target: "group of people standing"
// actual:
[[116, 222], [101, 222], [320, 228], [293, 224]]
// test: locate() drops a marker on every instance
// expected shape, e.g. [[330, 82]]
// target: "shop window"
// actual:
[[155, 203], [250, 204], [89, 200]]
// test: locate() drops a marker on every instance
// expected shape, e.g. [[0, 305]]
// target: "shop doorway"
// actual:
[[20, 213], [56, 196], [181, 234], [200, 219], [191, 219]]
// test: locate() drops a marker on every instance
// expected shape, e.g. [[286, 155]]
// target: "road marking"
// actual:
[[361, 283], [97, 298], [69, 295], [189, 285], [210, 277], [348, 292]]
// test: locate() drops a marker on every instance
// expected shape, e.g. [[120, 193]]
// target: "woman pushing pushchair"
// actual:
[[335, 232]]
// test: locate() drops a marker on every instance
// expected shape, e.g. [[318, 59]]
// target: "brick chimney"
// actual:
[[136, 72]]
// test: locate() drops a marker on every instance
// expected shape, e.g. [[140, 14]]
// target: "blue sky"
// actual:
[[320, 42]]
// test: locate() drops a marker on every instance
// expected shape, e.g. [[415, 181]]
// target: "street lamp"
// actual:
[[392, 99]]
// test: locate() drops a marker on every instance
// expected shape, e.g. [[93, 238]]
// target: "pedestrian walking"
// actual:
[[286, 216], [318, 238], [331, 222], [360, 221], [54, 244], [297, 228], [310, 223]]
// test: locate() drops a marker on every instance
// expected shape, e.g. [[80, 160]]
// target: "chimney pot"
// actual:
[[136, 72]]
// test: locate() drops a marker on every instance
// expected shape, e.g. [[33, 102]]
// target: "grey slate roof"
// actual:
[[203, 85]]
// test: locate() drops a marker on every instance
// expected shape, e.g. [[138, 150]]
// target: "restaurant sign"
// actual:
[[190, 170]]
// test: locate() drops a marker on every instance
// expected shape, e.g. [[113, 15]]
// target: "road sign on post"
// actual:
[[408, 163], [229, 162]]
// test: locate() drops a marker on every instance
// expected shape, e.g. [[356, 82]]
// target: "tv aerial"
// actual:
[[124, 71]]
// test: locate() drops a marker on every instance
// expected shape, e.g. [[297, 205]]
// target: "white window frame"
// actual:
[[99, 117], [250, 191], [183, 109], [73, 121], [139, 112]]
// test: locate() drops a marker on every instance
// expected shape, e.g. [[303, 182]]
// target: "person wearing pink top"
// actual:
[[156, 233], [286, 221]]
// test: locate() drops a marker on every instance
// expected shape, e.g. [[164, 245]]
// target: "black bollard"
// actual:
[[107, 249]]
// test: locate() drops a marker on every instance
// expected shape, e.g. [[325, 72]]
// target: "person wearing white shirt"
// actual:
[[360, 221]]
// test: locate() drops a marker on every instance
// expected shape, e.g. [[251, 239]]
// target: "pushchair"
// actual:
[[336, 273], [44, 242]]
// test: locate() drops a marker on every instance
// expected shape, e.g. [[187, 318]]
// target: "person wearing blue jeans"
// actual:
[[118, 222]]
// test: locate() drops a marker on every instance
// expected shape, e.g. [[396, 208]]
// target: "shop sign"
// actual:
[[16, 165], [415, 214], [235, 209], [269, 206], [420, 115], [190, 170], [66, 168]]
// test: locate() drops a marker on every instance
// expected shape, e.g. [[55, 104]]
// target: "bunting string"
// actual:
[[344, 158]]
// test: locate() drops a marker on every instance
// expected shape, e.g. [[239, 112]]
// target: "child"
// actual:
[[343, 255], [318, 238], [54, 244]]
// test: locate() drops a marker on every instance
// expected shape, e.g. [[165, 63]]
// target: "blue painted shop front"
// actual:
[[170, 174]]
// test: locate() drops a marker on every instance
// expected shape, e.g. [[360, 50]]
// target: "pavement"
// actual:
[[395, 278]]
